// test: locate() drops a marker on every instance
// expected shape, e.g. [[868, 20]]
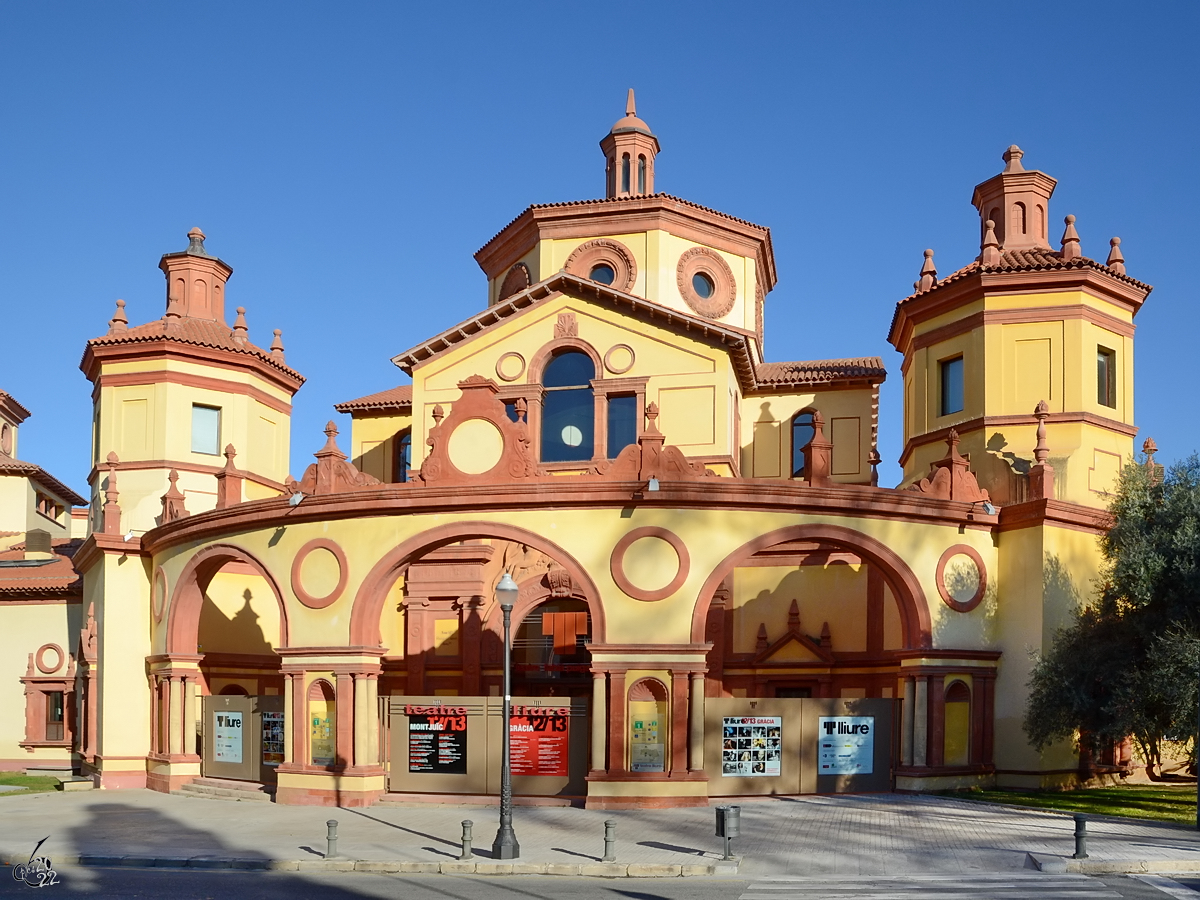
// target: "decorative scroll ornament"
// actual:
[[651, 458], [950, 478], [330, 474]]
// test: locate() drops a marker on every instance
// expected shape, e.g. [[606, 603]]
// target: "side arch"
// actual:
[[368, 602], [183, 619], [914, 611]]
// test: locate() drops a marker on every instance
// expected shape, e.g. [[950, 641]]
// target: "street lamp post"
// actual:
[[505, 846]]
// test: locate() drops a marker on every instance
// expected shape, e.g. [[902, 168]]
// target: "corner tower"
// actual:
[[1021, 324], [629, 151], [174, 394]]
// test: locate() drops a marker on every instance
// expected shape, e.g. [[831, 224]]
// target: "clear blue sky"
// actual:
[[348, 159]]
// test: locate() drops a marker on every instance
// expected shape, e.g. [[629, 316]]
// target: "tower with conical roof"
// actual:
[[629, 152]]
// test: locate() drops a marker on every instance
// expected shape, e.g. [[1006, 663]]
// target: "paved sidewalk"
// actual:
[[811, 836]]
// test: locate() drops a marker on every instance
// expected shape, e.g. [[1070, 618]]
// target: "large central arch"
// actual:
[[368, 602], [187, 599], [914, 611]]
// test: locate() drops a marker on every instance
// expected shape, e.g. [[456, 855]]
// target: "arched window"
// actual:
[[568, 410], [403, 455], [1019, 219], [625, 174], [958, 725], [641, 174], [802, 434]]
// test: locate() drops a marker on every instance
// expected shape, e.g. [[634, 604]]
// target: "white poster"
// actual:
[[227, 737], [846, 745], [751, 745]]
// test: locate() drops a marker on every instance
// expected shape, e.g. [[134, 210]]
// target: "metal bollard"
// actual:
[[467, 853], [1080, 837], [331, 839], [610, 840]]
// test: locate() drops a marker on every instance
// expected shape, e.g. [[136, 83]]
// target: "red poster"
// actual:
[[539, 742]]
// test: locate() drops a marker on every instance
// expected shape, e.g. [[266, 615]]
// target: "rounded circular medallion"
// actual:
[[56, 655], [159, 594], [706, 282], [961, 578], [319, 573], [5, 439], [605, 261], [510, 366], [649, 563], [475, 446], [619, 359], [515, 281]]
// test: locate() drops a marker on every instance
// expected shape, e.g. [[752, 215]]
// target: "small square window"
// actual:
[[1106, 377], [952, 386], [206, 429]]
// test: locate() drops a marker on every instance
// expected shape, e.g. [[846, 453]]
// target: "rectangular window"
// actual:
[[54, 716], [952, 385], [622, 423], [1106, 377], [206, 429]]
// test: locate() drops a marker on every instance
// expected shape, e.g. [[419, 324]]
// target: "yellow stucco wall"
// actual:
[[373, 443], [766, 432]]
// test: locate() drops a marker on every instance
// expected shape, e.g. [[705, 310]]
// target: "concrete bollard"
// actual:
[[610, 840], [331, 839], [467, 852], [1080, 837]]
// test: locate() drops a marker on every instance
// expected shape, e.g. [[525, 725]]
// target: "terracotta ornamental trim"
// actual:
[[791, 497], [628, 215], [1021, 317], [617, 563], [1057, 513], [298, 588], [39, 659], [1104, 285], [162, 349], [710, 264], [180, 466], [189, 379], [939, 578], [604, 251], [158, 596], [966, 427]]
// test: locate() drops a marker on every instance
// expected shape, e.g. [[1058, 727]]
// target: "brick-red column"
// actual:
[[936, 750], [616, 722], [679, 721], [299, 713], [345, 719], [988, 717]]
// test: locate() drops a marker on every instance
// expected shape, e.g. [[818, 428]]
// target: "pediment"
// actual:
[[794, 648]]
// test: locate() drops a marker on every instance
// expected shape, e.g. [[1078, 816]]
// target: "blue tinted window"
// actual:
[[802, 433], [571, 369], [568, 425], [622, 423], [404, 456], [952, 386]]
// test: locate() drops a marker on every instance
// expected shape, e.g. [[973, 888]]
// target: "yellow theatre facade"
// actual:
[[715, 597]]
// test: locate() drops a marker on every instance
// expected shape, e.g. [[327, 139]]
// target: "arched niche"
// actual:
[[188, 597], [914, 610]]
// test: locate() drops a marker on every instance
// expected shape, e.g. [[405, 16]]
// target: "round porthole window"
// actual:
[[572, 436], [603, 273], [706, 282], [703, 285]]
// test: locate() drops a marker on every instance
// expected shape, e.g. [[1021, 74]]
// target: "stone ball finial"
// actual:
[[119, 321], [112, 458], [1070, 240], [928, 272], [1012, 159], [1149, 447], [990, 249], [1116, 259]]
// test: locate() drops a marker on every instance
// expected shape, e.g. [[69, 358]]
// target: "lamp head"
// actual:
[[652, 484], [295, 499], [506, 592]]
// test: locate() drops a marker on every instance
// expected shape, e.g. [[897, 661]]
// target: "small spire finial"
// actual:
[[1012, 159], [1070, 240], [990, 250], [630, 105], [1116, 260], [240, 328], [196, 243], [928, 272], [119, 321], [277, 345], [1042, 451], [1150, 448]]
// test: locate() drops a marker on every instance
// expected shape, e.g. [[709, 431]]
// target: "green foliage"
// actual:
[[1128, 665], [1166, 804]]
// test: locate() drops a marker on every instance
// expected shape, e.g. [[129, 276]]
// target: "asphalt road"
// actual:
[[105, 883]]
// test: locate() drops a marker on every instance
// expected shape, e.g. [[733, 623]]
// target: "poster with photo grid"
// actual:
[[751, 746]]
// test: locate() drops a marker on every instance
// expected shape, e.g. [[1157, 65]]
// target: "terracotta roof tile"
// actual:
[[820, 371], [617, 201], [189, 330], [15, 409], [40, 577], [393, 398], [10, 466], [1029, 261]]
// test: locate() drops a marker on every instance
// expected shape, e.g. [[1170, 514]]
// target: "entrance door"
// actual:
[[243, 737]]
